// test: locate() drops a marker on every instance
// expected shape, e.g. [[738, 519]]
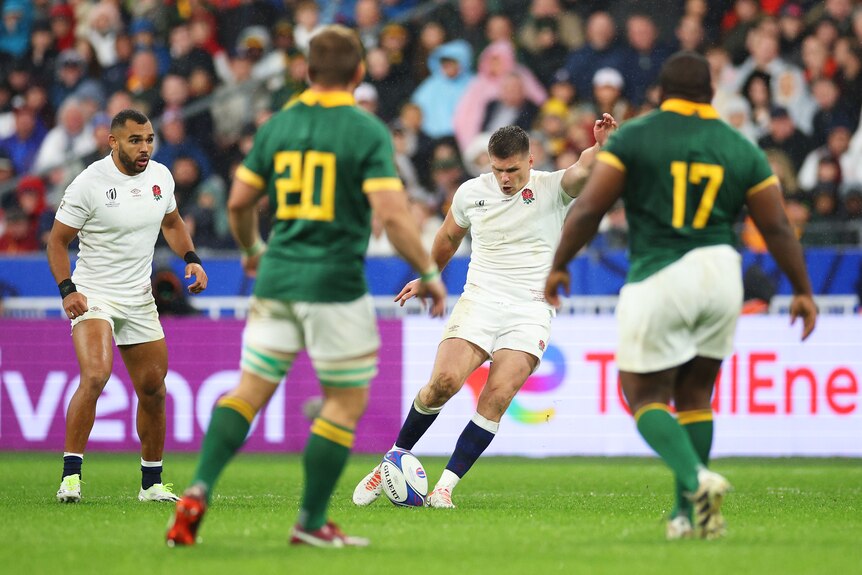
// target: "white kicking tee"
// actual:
[[119, 218], [513, 237]]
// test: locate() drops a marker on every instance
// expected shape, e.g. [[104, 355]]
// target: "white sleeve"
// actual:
[[172, 203], [459, 209], [74, 209]]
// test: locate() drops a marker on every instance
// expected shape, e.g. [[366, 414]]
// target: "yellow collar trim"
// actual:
[[688, 108], [327, 99]]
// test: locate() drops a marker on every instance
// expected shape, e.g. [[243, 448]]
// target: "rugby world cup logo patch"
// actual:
[[157, 193], [527, 196], [111, 194]]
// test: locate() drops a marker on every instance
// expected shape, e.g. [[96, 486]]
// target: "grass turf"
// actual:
[[572, 515]]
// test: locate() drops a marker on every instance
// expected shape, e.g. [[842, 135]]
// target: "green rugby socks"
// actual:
[[666, 436]]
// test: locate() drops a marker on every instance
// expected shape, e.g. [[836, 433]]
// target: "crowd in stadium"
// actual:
[[443, 75]]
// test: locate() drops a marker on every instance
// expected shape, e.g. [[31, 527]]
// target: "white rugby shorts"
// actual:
[[329, 331], [131, 322], [684, 310], [493, 326]]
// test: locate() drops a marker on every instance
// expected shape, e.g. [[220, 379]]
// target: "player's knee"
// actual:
[[154, 393], [443, 386], [92, 382]]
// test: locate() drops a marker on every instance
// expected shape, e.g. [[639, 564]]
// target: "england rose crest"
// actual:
[[527, 196], [157, 193]]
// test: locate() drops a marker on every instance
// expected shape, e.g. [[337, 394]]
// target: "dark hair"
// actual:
[[122, 117], [686, 75], [509, 141], [334, 54]]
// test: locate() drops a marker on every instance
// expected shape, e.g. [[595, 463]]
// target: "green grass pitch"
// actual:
[[525, 516]]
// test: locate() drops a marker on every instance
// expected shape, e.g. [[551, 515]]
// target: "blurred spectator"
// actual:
[[143, 80], [63, 26], [406, 169], [447, 174], [207, 218], [114, 76], [737, 113], [104, 24], [831, 110], [41, 54], [144, 38], [18, 237], [547, 24], [815, 168], [101, 123], [723, 77], [307, 21], [175, 144], [295, 81], [608, 87], [439, 94], [392, 88], [765, 59], [848, 78], [366, 97], [785, 136], [744, 18], [395, 42], [368, 21], [418, 145], [816, 60], [757, 91], [15, 29], [546, 52], [70, 74], [495, 63], [185, 55], [237, 102], [23, 145], [689, 34], [18, 77], [791, 29], [465, 22], [499, 28], [511, 107], [642, 58], [432, 35], [30, 195], [600, 51], [72, 137]]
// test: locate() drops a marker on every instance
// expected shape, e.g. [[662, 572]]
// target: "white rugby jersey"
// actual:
[[119, 218], [513, 237]]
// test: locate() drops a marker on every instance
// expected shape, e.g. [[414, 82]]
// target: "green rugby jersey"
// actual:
[[687, 177], [317, 159]]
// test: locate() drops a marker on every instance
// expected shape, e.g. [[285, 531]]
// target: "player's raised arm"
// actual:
[[601, 192], [576, 175], [767, 211]]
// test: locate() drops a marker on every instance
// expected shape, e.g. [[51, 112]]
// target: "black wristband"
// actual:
[[192, 258], [66, 287]]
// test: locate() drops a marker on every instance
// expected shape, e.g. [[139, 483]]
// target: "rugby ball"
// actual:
[[404, 479]]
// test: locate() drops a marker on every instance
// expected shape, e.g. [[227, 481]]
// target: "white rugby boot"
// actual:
[[369, 489], [707, 500], [158, 492], [441, 498], [679, 528], [70, 489]]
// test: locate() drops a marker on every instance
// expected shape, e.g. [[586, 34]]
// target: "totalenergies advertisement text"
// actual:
[[775, 396]]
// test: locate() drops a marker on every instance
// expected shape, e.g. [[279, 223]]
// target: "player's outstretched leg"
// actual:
[[229, 425], [475, 438], [414, 427]]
